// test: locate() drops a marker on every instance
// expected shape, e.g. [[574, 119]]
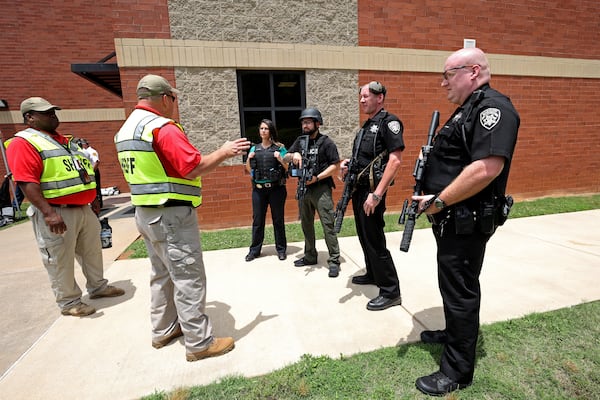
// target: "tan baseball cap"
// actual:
[[37, 104], [154, 85]]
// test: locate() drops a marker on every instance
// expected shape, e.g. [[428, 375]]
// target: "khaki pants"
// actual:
[[178, 280], [81, 240]]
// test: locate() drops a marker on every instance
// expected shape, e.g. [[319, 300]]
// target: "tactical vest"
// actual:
[[311, 147], [267, 168], [148, 181], [372, 147], [62, 165]]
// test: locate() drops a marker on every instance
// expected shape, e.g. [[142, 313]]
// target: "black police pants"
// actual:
[[378, 260], [460, 258], [262, 198]]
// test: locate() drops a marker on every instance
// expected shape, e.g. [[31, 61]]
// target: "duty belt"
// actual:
[[436, 219], [266, 185]]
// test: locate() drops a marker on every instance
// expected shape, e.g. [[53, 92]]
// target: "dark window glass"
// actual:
[[290, 126], [251, 121], [277, 95], [287, 90], [253, 90]]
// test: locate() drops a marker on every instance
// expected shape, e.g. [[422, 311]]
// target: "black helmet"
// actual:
[[312, 113]]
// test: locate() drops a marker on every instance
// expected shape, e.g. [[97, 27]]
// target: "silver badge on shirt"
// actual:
[[489, 118]]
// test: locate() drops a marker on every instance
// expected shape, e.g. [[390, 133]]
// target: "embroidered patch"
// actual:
[[489, 118], [374, 128], [394, 126]]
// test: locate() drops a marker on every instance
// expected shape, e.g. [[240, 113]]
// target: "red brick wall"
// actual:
[[37, 52], [140, 19], [551, 28]]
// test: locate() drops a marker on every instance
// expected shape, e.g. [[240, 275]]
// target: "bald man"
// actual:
[[464, 197]]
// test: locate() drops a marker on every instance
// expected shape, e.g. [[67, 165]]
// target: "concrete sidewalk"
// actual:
[[276, 312]]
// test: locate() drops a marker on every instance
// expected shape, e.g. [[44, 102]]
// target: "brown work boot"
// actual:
[[165, 340], [108, 291], [218, 347], [80, 310]]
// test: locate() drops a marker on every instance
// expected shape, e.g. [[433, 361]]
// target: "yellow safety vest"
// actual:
[[148, 181], [62, 164]]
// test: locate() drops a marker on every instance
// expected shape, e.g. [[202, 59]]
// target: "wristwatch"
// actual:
[[439, 203], [377, 198]]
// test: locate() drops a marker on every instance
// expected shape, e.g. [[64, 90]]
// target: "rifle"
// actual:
[[340, 209], [349, 186], [410, 214], [305, 173]]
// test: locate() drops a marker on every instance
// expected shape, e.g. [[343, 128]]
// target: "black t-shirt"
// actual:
[[324, 150], [491, 124]]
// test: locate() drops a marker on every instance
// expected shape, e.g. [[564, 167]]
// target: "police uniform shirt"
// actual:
[[490, 130], [382, 132]]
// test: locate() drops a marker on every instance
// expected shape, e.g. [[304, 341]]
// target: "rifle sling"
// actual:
[[370, 169]]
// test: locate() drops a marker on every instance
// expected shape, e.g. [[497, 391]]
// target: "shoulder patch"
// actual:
[[489, 118], [394, 126]]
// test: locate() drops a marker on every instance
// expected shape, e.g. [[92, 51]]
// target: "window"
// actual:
[[276, 95]]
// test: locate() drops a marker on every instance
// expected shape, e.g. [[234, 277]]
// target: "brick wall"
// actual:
[[139, 19], [551, 28], [37, 53]]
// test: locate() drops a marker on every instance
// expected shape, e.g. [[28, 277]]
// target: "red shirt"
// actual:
[[177, 155], [26, 165]]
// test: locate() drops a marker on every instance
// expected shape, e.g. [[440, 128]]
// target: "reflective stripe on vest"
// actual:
[[148, 181], [60, 176]]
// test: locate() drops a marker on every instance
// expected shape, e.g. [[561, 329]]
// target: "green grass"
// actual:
[[241, 237], [553, 355]]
